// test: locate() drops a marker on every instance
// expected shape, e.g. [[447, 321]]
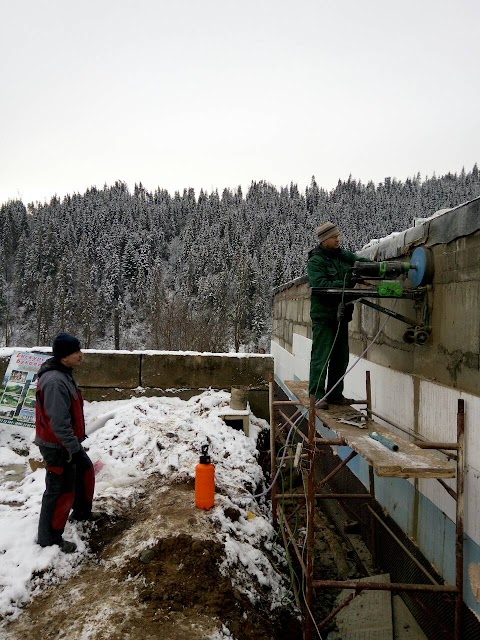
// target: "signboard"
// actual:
[[17, 393]]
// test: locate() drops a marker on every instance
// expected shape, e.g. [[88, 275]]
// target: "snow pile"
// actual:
[[130, 440]]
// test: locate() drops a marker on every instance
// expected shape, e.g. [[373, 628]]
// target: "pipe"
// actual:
[[329, 496], [459, 518], [292, 424], [371, 475], [448, 489], [383, 440], [330, 441], [310, 520], [382, 586], [273, 456], [341, 606], [422, 442]]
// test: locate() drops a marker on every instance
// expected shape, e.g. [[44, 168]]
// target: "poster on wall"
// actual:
[[17, 393]]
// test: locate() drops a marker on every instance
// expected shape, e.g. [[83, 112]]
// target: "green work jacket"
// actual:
[[330, 268]]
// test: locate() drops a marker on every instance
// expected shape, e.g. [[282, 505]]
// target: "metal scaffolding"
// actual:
[[313, 444]]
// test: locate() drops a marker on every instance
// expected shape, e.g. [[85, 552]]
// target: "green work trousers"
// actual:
[[321, 360]]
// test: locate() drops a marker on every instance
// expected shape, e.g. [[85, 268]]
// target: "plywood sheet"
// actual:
[[408, 462]]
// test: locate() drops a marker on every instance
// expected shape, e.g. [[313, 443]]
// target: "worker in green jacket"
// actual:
[[329, 266]]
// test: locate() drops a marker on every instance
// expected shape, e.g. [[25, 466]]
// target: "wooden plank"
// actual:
[[409, 461]]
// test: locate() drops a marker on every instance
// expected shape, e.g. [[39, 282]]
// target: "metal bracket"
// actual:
[[417, 333], [388, 312], [352, 295]]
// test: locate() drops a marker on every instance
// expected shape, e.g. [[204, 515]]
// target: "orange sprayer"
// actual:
[[204, 481]]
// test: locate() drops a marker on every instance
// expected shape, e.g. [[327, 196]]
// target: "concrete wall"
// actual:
[[291, 313], [452, 354], [107, 375]]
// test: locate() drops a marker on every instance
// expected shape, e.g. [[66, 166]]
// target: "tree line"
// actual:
[[143, 269]]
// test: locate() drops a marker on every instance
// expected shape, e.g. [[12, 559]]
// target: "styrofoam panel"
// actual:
[[283, 361], [472, 504], [392, 396], [301, 348], [437, 412], [437, 418]]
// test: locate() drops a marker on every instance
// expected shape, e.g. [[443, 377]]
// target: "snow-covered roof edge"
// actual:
[[440, 228], [6, 352]]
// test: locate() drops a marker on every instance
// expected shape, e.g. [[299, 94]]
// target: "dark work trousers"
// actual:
[[336, 363], [68, 485]]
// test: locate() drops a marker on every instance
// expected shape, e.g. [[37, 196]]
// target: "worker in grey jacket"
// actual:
[[60, 430]]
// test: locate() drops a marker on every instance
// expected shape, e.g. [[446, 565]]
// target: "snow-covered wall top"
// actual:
[[119, 374], [442, 227]]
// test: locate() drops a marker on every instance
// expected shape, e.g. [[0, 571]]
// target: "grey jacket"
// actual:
[[59, 408]]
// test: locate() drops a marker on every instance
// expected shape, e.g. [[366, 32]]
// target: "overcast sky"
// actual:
[[217, 93]]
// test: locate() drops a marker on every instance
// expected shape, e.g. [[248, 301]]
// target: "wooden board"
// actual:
[[408, 462]]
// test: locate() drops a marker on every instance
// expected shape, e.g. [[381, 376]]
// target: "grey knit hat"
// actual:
[[327, 230]]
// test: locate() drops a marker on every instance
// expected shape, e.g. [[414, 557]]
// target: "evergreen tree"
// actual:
[[146, 269]]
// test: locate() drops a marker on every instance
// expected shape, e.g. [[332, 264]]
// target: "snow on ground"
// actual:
[[130, 440]]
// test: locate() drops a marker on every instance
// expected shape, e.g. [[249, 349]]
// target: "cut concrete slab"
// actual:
[[405, 627], [369, 615]]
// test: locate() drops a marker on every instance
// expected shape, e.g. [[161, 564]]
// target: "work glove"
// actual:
[[76, 457]]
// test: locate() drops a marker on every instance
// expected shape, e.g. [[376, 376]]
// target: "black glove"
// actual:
[[76, 457]]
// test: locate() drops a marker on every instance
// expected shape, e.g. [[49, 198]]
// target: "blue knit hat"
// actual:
[[64, 345]]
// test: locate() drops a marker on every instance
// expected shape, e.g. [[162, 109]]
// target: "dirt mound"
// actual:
[[153, 573], [182, 573]]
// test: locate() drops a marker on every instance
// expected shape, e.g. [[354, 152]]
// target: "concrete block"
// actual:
[[309, 331], [233, 418], [456, 317], [445, 263], [391, 355], [466, 252], [171, 370], [369, 616], [108, 369], [394, 329], [259, 401], [301, 329], [289, 336], [441, 257], [291, 310], [306, 309]]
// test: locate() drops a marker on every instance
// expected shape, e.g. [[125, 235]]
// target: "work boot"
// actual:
[[342, 401], [67, 547], [93, 516], [321, 405]]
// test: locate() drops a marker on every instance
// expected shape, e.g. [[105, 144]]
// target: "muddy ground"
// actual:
[[173, 590]]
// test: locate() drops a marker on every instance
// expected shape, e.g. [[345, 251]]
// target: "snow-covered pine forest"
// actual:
[[184, 271]]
